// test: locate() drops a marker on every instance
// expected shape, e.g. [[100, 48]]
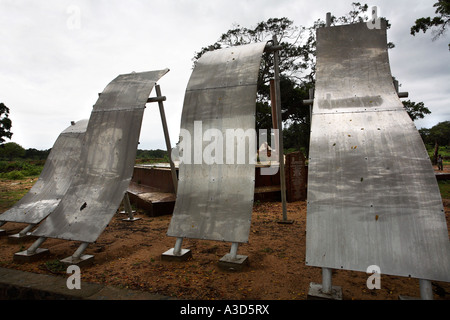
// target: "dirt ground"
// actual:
[[128, 255]]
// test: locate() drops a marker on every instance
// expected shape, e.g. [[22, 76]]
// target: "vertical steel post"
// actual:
[[127, 205], [328, 22], [177, 248], [233, 250], [426, 291], [167, 138], [326, 280], [280, 128]]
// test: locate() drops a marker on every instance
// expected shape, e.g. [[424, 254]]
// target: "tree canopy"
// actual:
[[437, 24], [5, 123], [297, 70]]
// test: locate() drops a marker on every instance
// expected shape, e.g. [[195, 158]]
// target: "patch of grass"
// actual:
[[17, 170], [444, 187], [55, 266]]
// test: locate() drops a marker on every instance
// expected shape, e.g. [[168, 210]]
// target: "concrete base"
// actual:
[[315, 292], [83, 261], [236, 264], [131, 219], [17, 238], [170, 256], [24, 256]]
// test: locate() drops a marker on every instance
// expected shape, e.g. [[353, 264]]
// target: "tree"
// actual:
[[297, 67], [5, 123], [438, 24], [415, 110], [11, 150]]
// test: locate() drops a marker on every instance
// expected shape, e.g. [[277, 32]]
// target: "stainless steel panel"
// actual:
[[373, 198], [106, 163], [214, 201], [54, 179]]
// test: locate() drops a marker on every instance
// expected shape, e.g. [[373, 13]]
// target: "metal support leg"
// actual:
[[426, 290], [32, 253], [326, 280], [167, 138], [177, 253], [325, 290], [35, 246], [78, 258], [128, 209], [280, 132], [2, 232], [233, 261], [22, 235], [233, 250]]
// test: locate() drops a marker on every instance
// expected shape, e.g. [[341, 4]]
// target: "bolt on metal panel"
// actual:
[[215, 200], [54, 179], [106, 163], [373, 198]]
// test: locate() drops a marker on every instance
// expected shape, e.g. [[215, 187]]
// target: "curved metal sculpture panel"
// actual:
[[107, 160], [54, 179], [215, 199], [373, 198]]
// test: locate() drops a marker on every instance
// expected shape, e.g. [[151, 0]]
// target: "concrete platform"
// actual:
[[20, 285]]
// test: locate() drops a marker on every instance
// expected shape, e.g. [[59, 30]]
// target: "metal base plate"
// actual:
[[170, 256], [131, 219], [315, 292], [285, 221], [83, 261], [236, 264], [24, 256], [17, 238]]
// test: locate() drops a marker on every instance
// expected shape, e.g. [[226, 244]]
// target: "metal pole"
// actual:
[[80, 250], [328, 22], [234, 249], [167, 138], [326, 280], [26, 229], [32, 249], [177, 248], [426, 291], [127, 205], [280, 128]]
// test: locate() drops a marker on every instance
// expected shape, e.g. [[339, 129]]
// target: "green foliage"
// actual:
[[5, 123], [16, 170], [439, 134], [297, 69], [444, 188], [438, 24], [415, 110], [11, 150]]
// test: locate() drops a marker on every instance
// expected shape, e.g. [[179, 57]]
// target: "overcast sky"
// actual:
[[57, 55]]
